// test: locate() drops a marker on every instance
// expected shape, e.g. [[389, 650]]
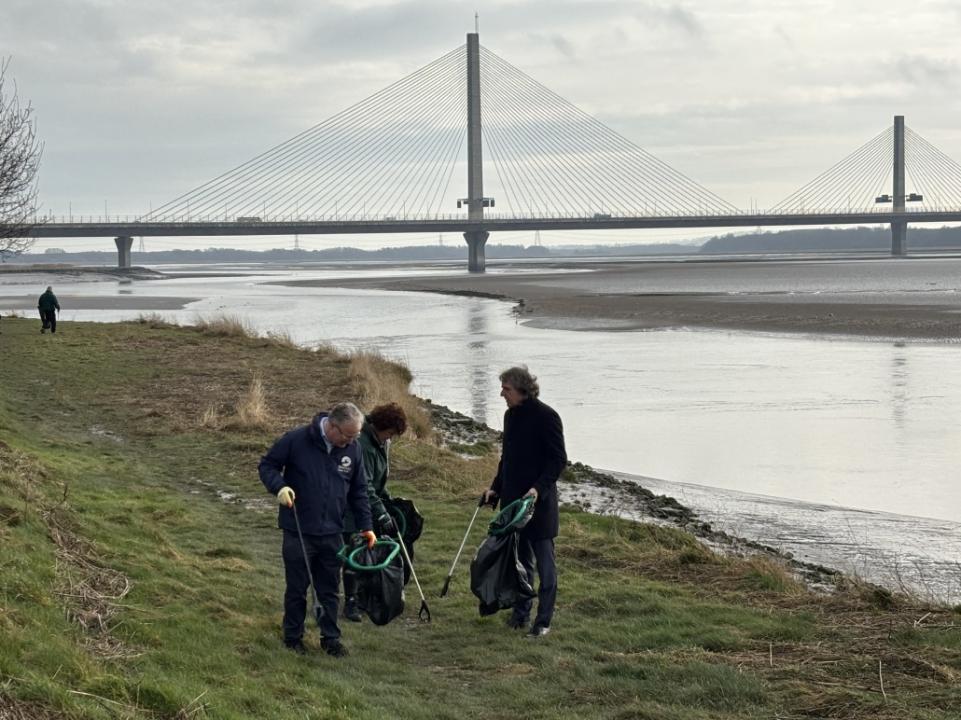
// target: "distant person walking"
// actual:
[[383, 424], [49, 306], [317, 471], [532, 458]]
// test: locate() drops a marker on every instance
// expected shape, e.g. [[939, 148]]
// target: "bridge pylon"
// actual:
[[476, 261], [899, 228]]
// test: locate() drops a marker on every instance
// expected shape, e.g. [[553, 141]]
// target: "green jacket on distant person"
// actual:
[[377, 467], [48, 301]]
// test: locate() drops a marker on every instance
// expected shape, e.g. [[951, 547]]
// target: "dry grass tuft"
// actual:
[[153, 320], [90, 590], [282, 338], [767, 574], [224, 325], [211, 418], [375, 380], [251, 412], [13, 709]]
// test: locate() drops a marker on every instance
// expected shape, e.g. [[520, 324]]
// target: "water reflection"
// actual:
[[478, 361], [899, 386]]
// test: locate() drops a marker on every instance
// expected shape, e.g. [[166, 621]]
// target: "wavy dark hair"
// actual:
[[520, 378], [388, 417]]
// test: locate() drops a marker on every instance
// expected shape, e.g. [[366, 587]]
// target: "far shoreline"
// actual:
[[610, 295], [595, 300]]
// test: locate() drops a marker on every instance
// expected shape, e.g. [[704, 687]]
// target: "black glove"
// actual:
[[386, 525]]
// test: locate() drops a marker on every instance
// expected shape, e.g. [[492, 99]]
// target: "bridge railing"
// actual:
[[447, 217]]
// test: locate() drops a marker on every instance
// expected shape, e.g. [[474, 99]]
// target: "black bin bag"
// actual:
[[380, 579], [497, 577], [410, 524]]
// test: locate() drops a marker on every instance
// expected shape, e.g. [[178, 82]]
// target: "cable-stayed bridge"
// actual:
[[396, 162]]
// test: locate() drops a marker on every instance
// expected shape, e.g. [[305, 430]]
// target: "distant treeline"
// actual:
[[453, 253], [828, 240], [785, 241]]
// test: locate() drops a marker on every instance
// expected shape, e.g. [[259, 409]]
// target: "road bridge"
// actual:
[[385, 165]]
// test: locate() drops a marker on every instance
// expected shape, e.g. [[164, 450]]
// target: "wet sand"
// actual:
[[613, 297], [27, 304]]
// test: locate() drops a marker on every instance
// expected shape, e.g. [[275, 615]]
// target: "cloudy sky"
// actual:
[[137, 101]]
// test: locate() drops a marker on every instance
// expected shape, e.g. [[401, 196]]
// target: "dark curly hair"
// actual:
[[388, 417], [520, 378]]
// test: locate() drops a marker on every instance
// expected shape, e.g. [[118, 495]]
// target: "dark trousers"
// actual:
[[325, 566], [350, 577], [539, 553], [49, 319]]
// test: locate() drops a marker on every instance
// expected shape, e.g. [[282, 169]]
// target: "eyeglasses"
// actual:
[[349, 437]]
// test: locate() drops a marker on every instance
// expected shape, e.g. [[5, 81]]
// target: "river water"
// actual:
[[843, 451]]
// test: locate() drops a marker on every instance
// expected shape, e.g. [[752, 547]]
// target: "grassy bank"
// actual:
[[140, 571]]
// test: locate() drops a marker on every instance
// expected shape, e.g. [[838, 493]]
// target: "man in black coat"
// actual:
[[532, 458], [319, 466], [48, 306]]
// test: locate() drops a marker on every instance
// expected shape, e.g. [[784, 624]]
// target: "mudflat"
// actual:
[[891, 298]]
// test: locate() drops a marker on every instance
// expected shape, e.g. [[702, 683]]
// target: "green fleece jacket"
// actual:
[[48, 301], [377, 467]]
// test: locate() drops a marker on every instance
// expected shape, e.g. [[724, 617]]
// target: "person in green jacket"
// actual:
[[49, 306], [383, 424]]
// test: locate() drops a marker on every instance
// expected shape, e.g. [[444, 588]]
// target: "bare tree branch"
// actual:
[[20, 153]]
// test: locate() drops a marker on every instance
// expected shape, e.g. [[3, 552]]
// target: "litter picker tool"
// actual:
[[424, 612], [480, 504], [318, 608]]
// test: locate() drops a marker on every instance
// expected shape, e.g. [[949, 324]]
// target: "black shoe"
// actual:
[[351, 611], [296, 646], [539, 630], [334, 648], [516, 623]]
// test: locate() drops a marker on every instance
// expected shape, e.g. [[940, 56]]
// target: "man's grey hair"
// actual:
[[346, 413], [520, 378]]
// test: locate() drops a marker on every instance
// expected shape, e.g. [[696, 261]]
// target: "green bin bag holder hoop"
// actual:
[[348, 557], [510, 516]]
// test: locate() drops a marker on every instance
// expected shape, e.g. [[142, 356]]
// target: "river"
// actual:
[[761, 433]]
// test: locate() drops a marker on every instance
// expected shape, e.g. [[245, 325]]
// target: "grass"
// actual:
[[140, 572]]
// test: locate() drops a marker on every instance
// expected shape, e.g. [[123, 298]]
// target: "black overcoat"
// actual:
[[532, 456]]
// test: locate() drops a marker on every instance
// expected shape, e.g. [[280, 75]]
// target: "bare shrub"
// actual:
[[20, 153]]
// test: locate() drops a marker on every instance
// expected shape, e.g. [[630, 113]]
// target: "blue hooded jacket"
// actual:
[[324, 484]]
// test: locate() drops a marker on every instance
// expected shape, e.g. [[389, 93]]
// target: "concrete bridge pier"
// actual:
[[124, 243], [476, 240], [899, 238]]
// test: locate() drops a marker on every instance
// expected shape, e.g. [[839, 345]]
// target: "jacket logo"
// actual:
[[345, 466]]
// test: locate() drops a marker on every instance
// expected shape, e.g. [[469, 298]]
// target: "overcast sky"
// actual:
[[137, 102]]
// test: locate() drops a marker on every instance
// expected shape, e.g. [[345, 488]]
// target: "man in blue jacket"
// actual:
[[319, 466], [532, 458]]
